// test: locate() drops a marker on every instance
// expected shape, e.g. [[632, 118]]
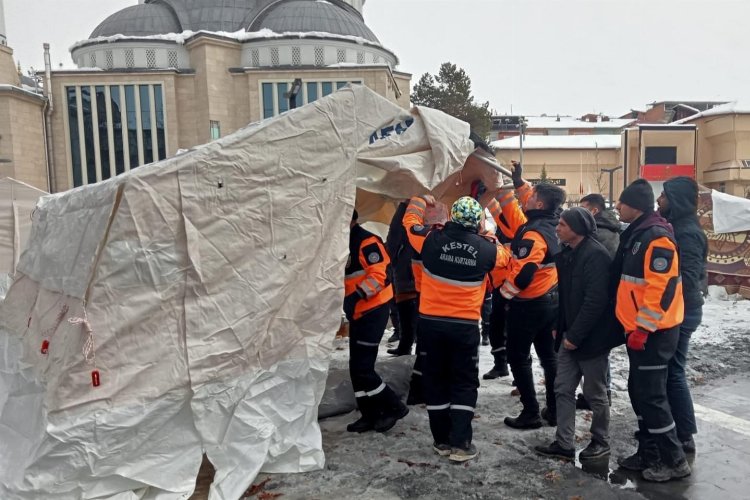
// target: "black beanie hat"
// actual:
[[639, 195], [580, 220]]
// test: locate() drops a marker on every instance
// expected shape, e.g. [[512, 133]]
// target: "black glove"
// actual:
[[517, 174], [350, 301]]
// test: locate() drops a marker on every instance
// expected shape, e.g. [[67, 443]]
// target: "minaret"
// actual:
[[3, 39]]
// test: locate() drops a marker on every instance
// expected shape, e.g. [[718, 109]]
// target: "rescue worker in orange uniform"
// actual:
[[456, 262], [531, 288], [368, 293], [649, 305]]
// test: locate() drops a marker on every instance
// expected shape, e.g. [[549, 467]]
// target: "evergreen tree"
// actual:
[[543, 176], [450, 92]]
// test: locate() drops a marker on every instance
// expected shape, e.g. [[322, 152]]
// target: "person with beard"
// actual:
[[650, 308], [678, 203], [582, 339], [531, 289]]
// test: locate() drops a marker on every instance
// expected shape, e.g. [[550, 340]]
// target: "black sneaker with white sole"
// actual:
[[442, 449], [459, 455]]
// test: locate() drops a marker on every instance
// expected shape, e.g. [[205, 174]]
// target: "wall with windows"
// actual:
[[312, 52], [130, 55], [104, 125]]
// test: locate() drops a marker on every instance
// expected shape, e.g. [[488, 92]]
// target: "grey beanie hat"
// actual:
[[580, 221]]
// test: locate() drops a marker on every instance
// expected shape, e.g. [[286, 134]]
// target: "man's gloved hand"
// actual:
[[350, 301], [517, 174], [637, 340]]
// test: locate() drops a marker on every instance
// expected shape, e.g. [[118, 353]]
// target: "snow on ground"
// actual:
[[401, 463]]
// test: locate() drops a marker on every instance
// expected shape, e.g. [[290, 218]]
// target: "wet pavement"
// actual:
[[721, 466]]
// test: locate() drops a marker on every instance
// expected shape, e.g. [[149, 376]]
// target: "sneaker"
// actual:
[[442, 449], [550, 416], [485, 339], [524, 421], [582, 403], [688, 446], [661, 473], [394, 338], [496, 373], [554, 450], [459, 455], [386, 422], [594, 451], [398, 352], [364, 424], [634, 462]]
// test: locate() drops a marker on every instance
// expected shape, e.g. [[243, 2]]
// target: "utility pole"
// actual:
[[611, 172]]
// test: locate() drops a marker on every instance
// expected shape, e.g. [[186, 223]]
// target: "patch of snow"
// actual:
[[240, 36], [740, 107], [569, 122], [561, 142]]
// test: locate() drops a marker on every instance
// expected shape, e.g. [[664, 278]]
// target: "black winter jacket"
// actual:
[[586, 313], [608, 231], [400, 252], [682, 195]]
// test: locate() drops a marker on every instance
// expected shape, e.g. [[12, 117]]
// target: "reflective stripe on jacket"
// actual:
[[649, 295], [456, 262], [367, 271]]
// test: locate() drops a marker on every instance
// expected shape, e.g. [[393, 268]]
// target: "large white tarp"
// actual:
[[205, 291], [731, 214]]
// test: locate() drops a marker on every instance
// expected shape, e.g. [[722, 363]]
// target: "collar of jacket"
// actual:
[[542, 214], [453, 227], [644, 222]]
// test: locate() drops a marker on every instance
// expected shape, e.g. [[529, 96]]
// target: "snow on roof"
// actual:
[[567, 122], [560, 142], [730, 108], [240, 36]]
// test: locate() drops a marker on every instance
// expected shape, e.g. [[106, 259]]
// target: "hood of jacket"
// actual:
[[682, 194], [608, 220]]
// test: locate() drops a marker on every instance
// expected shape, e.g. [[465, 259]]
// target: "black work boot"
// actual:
[[367, 421], [397, 351], [554, 450], [661, 473], [393, 410], [633, 462], [595, 450], [496, 372], [526, 420]]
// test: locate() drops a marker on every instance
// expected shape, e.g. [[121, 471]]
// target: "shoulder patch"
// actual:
[[372, 253], [524, 248], [661, 260]]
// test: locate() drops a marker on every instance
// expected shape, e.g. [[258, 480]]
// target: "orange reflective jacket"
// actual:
[[456, 262], [532, 271], [367, 271], [649, 295]]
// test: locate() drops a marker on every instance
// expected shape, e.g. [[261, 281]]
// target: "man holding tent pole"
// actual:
[[368, 293], [456, 260]]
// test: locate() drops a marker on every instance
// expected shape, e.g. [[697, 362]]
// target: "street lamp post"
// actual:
[[611, 172], [292, 94]]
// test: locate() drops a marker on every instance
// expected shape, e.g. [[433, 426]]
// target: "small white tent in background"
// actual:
[[204, 291], [17, 202]]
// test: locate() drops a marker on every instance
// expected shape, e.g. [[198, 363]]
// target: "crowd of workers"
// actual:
[[570, 282]]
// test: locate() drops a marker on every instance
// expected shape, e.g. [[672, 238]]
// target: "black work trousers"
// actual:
[[407, 316], [374, 397], [647, 387], [531, 322], [451, 378], [497, 330]]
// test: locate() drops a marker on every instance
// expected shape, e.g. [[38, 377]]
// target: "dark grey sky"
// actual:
[[538, 56]]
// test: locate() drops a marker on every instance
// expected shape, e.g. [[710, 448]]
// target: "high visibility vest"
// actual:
[[649, 294], [367, 271]]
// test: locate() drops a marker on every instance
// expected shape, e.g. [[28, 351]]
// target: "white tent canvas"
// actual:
[[202, 293]]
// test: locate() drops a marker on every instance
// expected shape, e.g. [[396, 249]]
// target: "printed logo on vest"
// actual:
[[373, 258], [660, 264], [636, 247], [523, 252]]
